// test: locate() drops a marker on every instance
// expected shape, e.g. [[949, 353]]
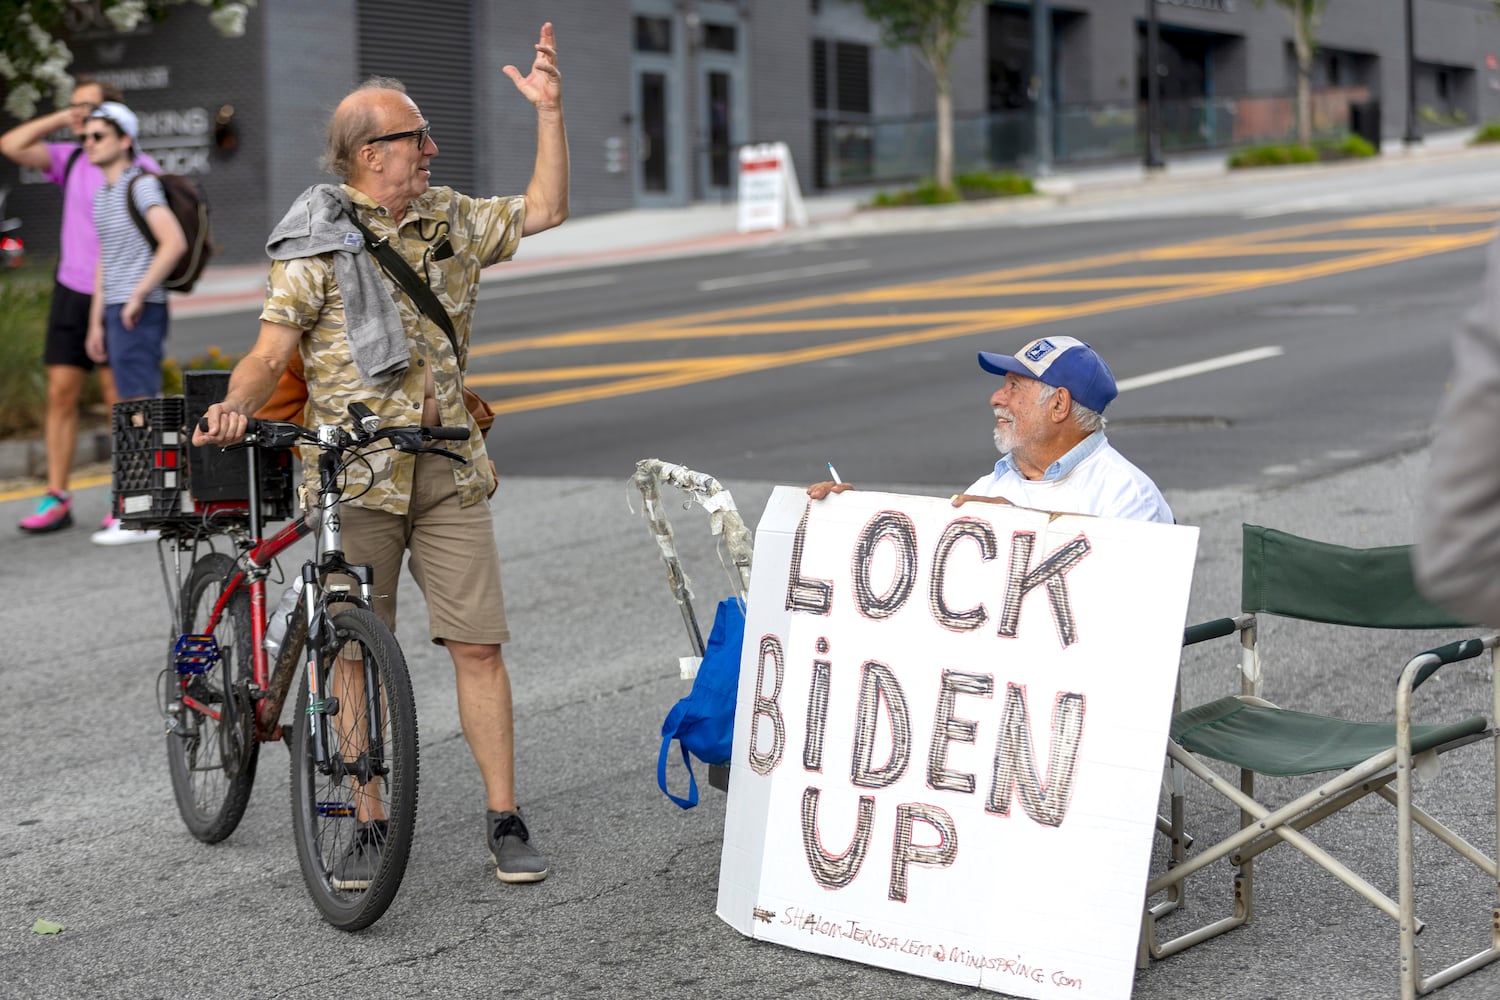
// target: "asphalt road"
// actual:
[[1323, 439], [1331, 331]]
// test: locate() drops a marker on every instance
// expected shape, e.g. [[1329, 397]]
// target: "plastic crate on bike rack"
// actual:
[[148, 466], [160, 481], [220, 479]]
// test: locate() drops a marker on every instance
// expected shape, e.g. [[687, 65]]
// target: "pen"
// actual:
[[834, 473]]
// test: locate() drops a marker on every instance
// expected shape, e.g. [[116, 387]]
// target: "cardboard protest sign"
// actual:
[[949, 737]]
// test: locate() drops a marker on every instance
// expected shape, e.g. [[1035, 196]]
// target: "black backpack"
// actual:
[[188, 203]]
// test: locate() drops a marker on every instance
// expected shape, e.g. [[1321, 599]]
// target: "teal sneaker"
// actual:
[[54, 513]]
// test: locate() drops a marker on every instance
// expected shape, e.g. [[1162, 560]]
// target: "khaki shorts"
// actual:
[[453, 557]]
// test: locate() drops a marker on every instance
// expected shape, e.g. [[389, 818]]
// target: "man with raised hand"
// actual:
[[327, 299]]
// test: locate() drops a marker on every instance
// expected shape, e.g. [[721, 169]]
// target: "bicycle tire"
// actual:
[[212, 763], [325, 806]]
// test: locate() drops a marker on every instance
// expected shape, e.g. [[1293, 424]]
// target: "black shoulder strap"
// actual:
[[72, 159], [400, 271], [141, 225]]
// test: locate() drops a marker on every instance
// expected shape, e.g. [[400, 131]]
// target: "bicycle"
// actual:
[[354, 770]]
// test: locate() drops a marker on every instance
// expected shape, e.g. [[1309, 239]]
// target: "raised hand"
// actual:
[[543, 85]]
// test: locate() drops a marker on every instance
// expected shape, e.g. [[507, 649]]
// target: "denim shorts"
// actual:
[[135, 355]]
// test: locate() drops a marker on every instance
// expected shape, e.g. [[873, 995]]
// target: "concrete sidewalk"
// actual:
[[711, 227]]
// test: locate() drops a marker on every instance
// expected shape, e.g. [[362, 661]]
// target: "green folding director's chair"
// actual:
[[1291, 577]]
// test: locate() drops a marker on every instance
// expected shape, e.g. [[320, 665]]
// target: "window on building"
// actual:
[[820, 74], [841, 76], [653, 34], [719, 37], [852, 77]]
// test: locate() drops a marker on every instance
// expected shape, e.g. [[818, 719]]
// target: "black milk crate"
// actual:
[[219, 478], [161, 481], [148, 461]]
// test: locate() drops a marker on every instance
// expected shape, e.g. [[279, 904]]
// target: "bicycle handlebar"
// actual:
[[283, 434]]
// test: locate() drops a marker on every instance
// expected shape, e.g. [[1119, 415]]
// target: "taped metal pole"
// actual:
[[1041, 83]]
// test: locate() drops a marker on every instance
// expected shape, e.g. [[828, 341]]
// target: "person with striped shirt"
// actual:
[[128, 316]]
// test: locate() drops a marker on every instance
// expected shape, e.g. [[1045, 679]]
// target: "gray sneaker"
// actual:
[[357, 868], [510, 845]]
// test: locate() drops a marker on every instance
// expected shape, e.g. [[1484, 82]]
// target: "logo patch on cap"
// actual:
[[1039, 349]]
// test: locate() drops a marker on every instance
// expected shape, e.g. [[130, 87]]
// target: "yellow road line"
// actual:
[[23, 493], [721, 367]]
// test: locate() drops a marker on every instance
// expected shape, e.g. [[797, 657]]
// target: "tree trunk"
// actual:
[[944, 132], [1304, 106], [1302, 44]]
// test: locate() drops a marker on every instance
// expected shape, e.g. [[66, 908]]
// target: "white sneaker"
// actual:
[[115, 533]]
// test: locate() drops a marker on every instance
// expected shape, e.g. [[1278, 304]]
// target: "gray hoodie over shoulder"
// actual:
[[321, 221]]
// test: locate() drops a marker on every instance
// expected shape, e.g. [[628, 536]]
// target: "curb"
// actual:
[[26, 458]]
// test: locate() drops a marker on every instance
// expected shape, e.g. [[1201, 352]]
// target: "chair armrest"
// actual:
[[1215, 629], [1463, 649]]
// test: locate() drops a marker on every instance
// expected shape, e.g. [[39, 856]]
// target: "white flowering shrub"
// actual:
[[34, 59]]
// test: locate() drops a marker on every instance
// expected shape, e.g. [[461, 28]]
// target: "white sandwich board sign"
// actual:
[[768, 193], [949, 737]]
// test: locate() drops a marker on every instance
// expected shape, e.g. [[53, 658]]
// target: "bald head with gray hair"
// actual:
[[353, 122]]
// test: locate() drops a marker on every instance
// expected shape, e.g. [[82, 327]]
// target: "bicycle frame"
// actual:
[[254, 566]]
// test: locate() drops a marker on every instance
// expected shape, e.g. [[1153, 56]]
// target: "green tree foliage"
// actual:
[[34, 57], [932, 27]]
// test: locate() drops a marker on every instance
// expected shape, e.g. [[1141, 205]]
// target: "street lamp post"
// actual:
[[1041, 76], [1153, 160], [1412, 136]]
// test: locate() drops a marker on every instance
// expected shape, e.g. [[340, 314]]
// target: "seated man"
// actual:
[[1049, 429]]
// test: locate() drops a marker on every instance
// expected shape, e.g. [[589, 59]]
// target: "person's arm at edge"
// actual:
[[26, 144], [93, 344], [546, 195], [1458, 549], [250, 384], [171, 244]]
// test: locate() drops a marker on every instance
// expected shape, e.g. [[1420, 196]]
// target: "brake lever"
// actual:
[[444, 452]]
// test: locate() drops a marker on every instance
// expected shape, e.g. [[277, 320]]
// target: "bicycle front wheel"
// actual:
[[211, 745], [354, 804]]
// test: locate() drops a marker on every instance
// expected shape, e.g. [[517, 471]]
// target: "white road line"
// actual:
[[767, 277], [1199, 367], [513, 287]]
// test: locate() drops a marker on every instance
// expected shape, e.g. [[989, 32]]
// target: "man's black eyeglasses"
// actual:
[[94, 136], [420, 134]]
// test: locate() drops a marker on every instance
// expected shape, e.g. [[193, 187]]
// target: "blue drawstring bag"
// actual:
[[703, 722]]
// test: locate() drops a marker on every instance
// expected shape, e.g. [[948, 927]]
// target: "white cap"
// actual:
[[122, 116]]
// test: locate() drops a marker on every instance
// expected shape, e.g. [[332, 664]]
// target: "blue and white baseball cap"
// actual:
[[1065, 362]]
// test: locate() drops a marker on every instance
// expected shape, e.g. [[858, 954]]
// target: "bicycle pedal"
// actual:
[[195, 654], [342, 810]]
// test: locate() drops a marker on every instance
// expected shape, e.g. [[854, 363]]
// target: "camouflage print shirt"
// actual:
[[304, 294]]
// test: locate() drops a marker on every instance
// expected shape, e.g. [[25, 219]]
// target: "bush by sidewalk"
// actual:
[[25, 298], [1279, 154], [966, 187], [1486, 133]]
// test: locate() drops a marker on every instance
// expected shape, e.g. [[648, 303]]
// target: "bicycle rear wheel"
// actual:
[[353, 815], [211, 748]]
